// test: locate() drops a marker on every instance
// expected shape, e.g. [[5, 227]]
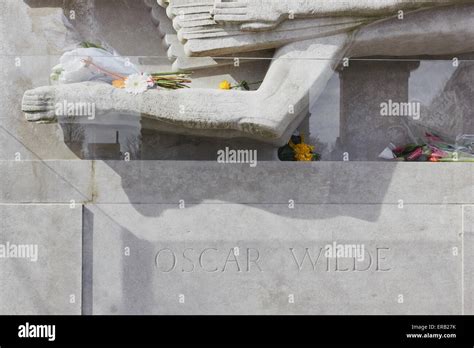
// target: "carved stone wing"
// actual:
[[188, 28]]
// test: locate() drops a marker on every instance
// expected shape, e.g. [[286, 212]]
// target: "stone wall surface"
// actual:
[[219, 258], [49, 281], [468, 255], [227, 239]]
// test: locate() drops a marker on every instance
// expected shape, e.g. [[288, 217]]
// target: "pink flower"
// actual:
[[435, 152], [415, 154]]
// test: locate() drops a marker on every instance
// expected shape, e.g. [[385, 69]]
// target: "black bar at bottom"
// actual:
[[143, 330]]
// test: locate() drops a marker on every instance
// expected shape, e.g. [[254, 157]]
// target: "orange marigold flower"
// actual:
[[118, 83]]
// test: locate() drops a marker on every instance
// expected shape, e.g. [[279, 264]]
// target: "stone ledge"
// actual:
[[46, 181], [166, 182], [278, 182]]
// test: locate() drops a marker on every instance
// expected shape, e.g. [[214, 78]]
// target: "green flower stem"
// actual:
[[245, 84], [177, 73]]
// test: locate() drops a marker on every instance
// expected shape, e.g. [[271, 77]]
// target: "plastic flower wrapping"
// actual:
[[433, 148], [91, 62]]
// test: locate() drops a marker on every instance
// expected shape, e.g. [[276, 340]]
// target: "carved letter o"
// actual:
[[174, 260]]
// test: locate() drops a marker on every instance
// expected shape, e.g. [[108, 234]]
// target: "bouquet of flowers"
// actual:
[[433, 149], [91, 62], [297, 150], [139, 83]]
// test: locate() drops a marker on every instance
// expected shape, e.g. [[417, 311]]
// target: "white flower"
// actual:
[[137, 83]]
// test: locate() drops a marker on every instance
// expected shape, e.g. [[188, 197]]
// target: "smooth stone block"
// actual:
[[168, 182], [46, 181], [278, 182], [47, 278], [159, 259], [468, 258]]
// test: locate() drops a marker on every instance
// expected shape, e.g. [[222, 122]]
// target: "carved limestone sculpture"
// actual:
[[308, 45]]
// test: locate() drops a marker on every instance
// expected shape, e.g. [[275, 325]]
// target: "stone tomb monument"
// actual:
[[155, 237]]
